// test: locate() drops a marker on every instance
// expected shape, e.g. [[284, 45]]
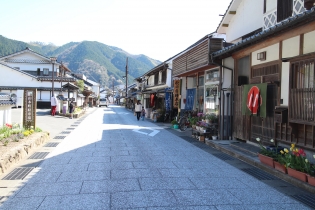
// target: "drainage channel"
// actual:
[[18, 173], [39, 155]]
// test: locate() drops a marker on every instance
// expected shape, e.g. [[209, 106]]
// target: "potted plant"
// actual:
[[174, 124], [193, 121], [212, 118], [265, 155]]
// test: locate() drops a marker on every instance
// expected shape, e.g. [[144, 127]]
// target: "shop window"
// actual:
[[212, 75]]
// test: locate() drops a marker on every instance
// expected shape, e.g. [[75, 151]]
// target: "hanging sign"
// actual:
[[176, 93], [254, 99]]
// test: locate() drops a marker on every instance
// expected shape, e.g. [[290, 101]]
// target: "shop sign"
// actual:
[[29, 108], [176, 93]]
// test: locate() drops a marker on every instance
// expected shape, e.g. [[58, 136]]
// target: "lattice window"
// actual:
[[266, 70], [270, 19], [298, 7]]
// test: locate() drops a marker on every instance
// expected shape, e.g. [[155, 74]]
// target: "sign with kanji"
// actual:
[[29, 108], [176, 93]]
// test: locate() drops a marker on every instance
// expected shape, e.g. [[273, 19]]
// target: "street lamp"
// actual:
[[53, 61]]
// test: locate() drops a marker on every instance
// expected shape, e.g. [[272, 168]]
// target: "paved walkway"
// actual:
[[112, 161]]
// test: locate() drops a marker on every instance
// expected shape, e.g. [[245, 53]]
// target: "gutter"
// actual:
[[232, 95]]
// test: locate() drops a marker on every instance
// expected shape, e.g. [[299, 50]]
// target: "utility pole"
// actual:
[[126, 80]]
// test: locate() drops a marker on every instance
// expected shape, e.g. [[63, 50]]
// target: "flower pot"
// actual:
[[207, 121], [214, 137], [266, 160], [310, 180], [280, 167], [176, 126], [297, 174]]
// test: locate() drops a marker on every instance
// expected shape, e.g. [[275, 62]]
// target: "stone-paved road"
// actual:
[[113, 161]]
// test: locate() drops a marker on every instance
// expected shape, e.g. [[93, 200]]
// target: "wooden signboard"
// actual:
[[176, 93], [29, 108]]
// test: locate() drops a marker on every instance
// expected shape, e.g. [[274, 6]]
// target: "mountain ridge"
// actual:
[[97, 61]]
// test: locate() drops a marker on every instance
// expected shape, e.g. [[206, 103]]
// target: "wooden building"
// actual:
[[276, 49]]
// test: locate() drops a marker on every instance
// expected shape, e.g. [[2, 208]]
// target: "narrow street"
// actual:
[[109, 160]]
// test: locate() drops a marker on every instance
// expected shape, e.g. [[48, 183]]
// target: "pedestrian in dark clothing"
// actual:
[[71, 109], [142, 113]]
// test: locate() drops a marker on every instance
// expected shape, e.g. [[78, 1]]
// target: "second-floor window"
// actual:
[[284, 9], [45, 72], [38, 71]]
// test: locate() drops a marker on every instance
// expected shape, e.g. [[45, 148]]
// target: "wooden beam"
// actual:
[[275, 39], [232, 12], [225, 25]]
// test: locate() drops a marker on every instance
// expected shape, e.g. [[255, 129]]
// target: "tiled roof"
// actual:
[[287, 24], [5, 99]]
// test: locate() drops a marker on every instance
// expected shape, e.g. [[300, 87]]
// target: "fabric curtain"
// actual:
[[190, 99], [254, 99], [152, 100], [168, 101]]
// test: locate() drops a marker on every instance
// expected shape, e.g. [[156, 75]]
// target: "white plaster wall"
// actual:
[[309, 43], [8, 77], [169, 78], [272, 53], [248, 18], [271, 5], [291, 47], [226, 73], [5, 115], [285, 83]]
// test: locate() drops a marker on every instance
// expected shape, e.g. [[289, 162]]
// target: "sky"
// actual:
[[158, 29]]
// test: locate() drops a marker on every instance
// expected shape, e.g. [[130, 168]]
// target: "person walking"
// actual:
[[54, 103], [142, 114], [138, 107], [71, 109]]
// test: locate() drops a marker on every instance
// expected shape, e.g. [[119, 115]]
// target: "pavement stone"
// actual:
[[113, 161]]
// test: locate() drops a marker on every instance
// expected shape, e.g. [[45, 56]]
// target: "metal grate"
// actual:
[[65, 132], [259, 174], [59, 137], [18, 173], [52, 144], [70, 128], [305, 199], [223, 156], [38, 155]]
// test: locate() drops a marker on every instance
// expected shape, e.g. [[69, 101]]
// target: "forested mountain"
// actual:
[[97, 61]]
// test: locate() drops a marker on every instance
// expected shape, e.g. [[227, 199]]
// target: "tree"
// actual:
[[80, 84]]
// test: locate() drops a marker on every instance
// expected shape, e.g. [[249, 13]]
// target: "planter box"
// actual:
[[310, 180], [176, 126], [266, 160], [202, 138], [297, 174], [280, 167]]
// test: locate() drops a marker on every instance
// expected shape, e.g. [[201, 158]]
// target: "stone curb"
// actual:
[[272, 171], [18, 152]]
